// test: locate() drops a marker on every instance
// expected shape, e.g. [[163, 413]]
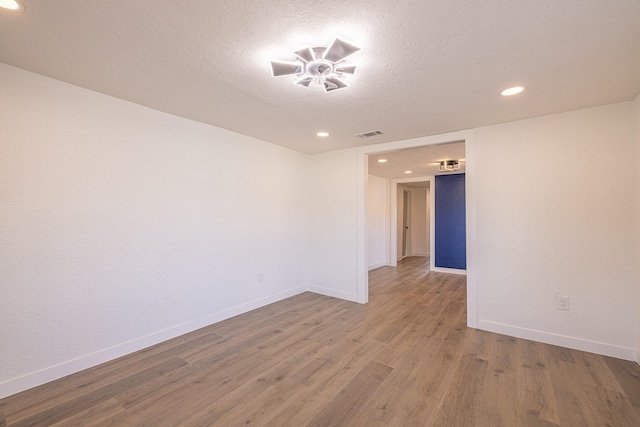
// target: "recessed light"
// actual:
[[382, 160], [512, 91], [10, 4], [408, 172], [323, 134]]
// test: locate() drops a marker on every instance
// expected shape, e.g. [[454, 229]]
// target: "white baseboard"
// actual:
[[55, 372], [560, 340], [377, 265], [333, 293], [448, 270], [422, 254]]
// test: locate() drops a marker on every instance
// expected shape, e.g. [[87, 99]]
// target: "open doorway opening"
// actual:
[[411, 202], [368, 162], [406, 220], [410, 236], [416, 219]]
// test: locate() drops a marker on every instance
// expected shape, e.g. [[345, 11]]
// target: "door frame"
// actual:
[[406, 220], [466, 136], [393, 229]]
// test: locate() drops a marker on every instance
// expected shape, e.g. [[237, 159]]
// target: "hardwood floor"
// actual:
[[404, 359]]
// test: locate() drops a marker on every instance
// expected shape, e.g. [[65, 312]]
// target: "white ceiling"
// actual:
[[427, 66], [421, 161]]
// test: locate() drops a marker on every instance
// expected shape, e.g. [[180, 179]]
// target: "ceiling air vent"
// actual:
[[369, 134]]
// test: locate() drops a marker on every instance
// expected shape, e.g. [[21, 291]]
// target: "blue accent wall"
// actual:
[[450, 224]]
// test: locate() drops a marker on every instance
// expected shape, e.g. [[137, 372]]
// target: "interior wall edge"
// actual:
[[636, 103], [333, 293], [566, 341], [52, 373], [376, 265]]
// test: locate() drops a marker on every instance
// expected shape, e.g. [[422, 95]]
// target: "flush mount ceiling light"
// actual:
[[323, 134], [319, 66], [449, 165], [10, 4], [512, 91]]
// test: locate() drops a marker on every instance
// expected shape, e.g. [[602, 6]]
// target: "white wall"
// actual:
[[123, 226], [636, 104], [428, 203], [555, 216], [333, 250], [400, 222], [378, 222], [419, 222]]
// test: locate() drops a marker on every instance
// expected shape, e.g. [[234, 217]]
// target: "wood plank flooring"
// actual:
[[404, 359]]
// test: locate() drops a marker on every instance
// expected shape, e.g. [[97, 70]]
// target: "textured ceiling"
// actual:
[[427, 66]]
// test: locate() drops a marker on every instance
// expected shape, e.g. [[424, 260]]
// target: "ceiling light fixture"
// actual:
[[10, 4], [319, 66], [382, 160], [449, 165], [512, 91], [408, 172], [323, 134]]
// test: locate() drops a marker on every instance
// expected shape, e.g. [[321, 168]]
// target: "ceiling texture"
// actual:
[[426, 66]]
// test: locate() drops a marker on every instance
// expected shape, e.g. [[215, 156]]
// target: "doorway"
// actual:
[[466, 137], [410, 233], [406, 213]]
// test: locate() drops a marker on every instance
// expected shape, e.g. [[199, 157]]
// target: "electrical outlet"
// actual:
[[562, 302], [260, 277]]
